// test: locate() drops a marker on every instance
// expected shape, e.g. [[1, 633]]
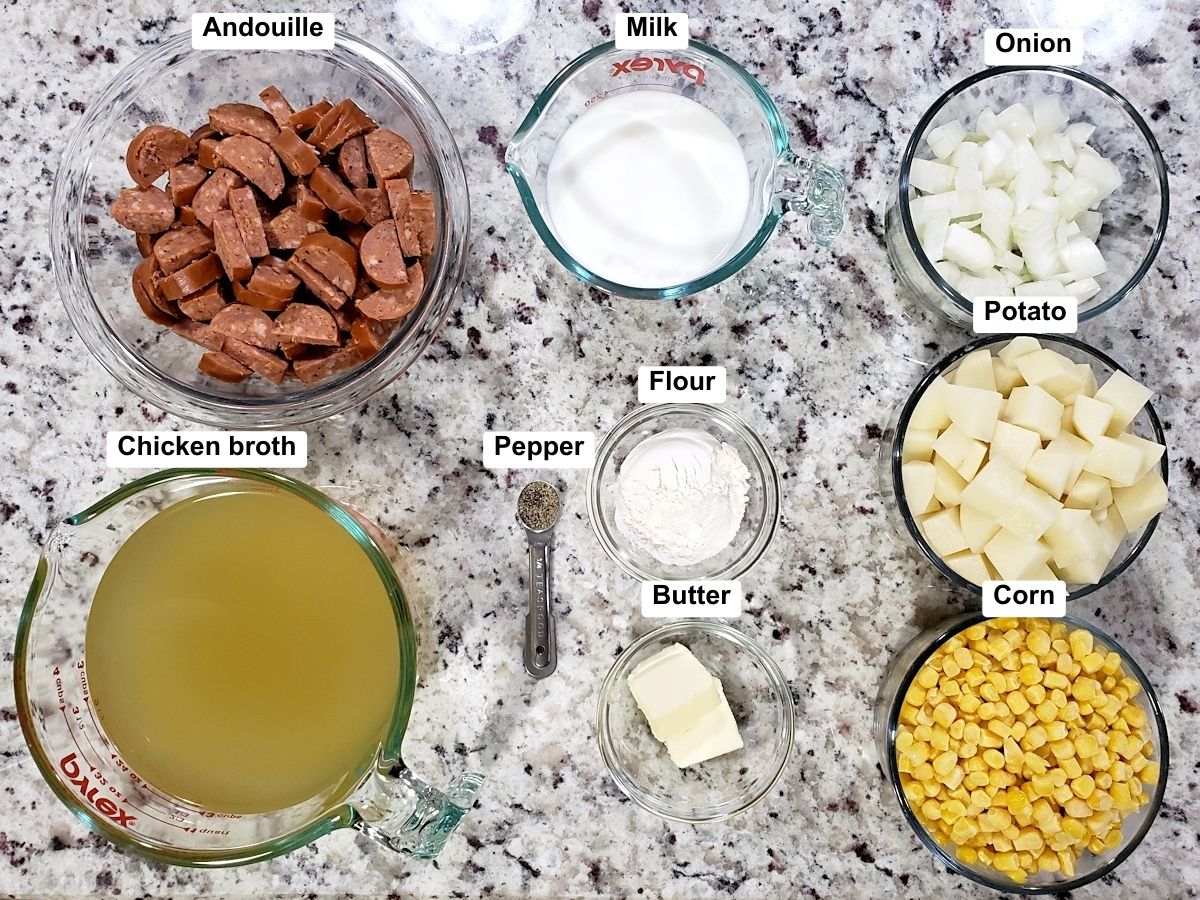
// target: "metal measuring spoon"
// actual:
[[538, 508]]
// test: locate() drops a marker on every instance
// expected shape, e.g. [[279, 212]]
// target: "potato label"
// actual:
[[691, 599], [1045, 599], [1035, 315]]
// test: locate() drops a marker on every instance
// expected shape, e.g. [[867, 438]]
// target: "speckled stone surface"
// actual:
[[819, 348]]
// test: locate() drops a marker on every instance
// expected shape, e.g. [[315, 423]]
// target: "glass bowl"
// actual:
[[712, 791], [1146, 425], [1090, 867], [94, 257], [1135, 215], [759, 522]]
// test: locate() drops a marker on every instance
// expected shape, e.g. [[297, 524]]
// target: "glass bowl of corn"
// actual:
[[1030, 755]]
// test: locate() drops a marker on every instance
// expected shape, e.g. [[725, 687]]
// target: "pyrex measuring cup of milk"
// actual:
[[288, 728], [657, 174]]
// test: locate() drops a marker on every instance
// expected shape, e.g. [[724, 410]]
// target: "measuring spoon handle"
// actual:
[[541, 652]]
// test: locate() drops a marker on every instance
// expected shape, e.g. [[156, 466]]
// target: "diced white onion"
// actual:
[[930, 177], [944, 139]]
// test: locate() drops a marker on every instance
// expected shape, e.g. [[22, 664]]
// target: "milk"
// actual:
[[648, 189]]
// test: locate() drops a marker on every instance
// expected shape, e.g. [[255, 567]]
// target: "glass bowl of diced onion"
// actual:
[[1027, 181], [1148, 766], [905, 444]]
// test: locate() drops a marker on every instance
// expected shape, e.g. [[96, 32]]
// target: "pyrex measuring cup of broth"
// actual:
[[616, 126], [216, 667]]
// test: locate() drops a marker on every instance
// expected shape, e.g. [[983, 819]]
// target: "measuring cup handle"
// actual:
[[403, 813], [805, 184], [541, 648]]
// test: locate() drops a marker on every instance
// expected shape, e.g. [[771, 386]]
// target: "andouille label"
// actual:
[[1045, 599], [156, 449], [690, 599], [262, 31], [1039, 46], [650, 31], [539, 449], [681, 384], [1037, 315]]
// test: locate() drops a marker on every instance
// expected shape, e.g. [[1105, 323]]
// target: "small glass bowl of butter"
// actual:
[[759, 698]]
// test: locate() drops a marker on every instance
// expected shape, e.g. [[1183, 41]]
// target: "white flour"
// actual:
[[681, 496]]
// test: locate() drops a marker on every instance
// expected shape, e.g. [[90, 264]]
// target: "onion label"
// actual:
[[1035, 315], [691, 599], [159, 449], [657, 31], [1046, 46], [681, 384], [1044, 599], [539, 449]]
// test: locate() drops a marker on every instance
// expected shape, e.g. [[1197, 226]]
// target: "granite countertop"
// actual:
[[820, 349]]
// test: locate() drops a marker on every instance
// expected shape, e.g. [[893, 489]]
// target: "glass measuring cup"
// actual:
[[781, 180], [84, 769]]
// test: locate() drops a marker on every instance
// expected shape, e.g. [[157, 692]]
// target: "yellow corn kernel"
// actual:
[[1016, 800], [1016, 702], [1065, 664], [975, 632], [950, 668], [931, 810], [976, 779], [1054, 680], [994, 758], [1067, 862], [1083, 786], [967, 751], [999, 727], [1035, 737], [969, 704], [1086, 746], [1071, 766], [918, 753], [923, 772], [1030, 840], [1084, 689], [981, 799], [927, 677], [1112, 840], [1132, 685], [1104, 781], [939, 740], [969, 855], [1062, 793], [988, 692], [990, 739], [1006, 862], [1048, 861], [949, 688], [1035, 765], [1092, 663], [1041, 784], [1018, 730], [1059, 699], [1073, 827], [1134, 715], [962, 656], [1149, 774], [1081, 642], [971, 733], [1035, 694], [1046, 711], [952, 811], [1101, 801], [1056, 731], [944, 714], [964, 829]]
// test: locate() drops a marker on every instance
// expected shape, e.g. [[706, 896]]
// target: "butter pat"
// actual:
[[685, 706]]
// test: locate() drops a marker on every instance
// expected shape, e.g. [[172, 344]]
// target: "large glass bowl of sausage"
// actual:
[[259, 238]]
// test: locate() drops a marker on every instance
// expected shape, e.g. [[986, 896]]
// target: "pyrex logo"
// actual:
[[646, 63], [70, 767]]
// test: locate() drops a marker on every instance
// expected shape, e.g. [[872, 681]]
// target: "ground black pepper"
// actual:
[[537, 506]]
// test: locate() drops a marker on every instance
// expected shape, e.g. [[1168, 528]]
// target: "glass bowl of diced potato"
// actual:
[[1029, 458], [1030, 755], [1032, 182]]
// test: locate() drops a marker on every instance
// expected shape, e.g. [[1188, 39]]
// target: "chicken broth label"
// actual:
[[539, 449], [1032, 315], [651, 31], [1044, 599], [1036, 46], [239, 449], [262, 31], [691, 599], [681, 384]]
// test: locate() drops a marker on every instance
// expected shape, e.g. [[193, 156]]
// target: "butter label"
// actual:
[[1045, 599], [262, 31], [1036, 315], [1036, 46], [651, 31], [681, 384], [539, 449], [691, 599], [166, 449]]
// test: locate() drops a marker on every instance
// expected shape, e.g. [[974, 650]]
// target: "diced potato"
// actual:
[[1016, 348], [975, 370], [1142, 501], [1014, 444], [1052, 372], [1005, 377], [1084, 571], [1014, 557], [1126, 396], [1029, 513], [1090, 492], [1151, 451], [973, 410], [1090, 417], [1050, 471], [993, 488], [978, 527], [949, 485], [963, 453], [1112, 528], [1088, 376], [970, 566], [917, 445], [1074, 535], [1115, 460], [942, 531], [918, 479], [1033, 408], [1077, 447], [930, 411]]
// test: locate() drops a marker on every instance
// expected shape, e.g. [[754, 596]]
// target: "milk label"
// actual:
[[651, 31]]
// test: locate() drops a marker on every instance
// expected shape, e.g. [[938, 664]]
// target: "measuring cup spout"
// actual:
[[403, 813], [809, 186]]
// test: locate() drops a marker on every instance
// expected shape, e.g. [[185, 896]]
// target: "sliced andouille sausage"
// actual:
[[308, 204], [297, 351], [230, 247], [268, 365], [305, 323], [213, 195], [322, 366], [392, 304], [254, 160], [354, 234], [368, 336], [328, 255], [336, 195], [223, 367], [388, 154], [198, 333], [289, 229], [244, 323], [344, 318], [343, 121], [154, 150], [145, 243], [206, 153], [272, 281], [187, 216], [296, 153], [145, 291], [318, 284], [249, 221], [178, 247], [259, 301], [191, 278], [205, 131], [420, 210], [242, 118], [399, 194], [202, 306], [307, 118], [183, 181], [281, 111], [374, 201], [352, 163], [147, 210], [382, 258], [341, 249]]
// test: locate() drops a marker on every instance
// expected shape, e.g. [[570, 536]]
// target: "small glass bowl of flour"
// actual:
[[683, 491]]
